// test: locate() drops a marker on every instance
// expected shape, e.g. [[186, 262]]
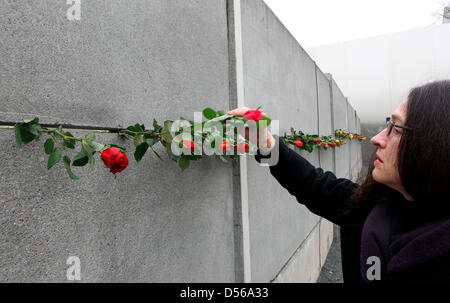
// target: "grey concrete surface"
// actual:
[[325, 122], [279, 75], [124, 62], [342, 154], [151, 223]]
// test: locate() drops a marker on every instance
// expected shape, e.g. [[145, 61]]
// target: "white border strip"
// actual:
[[242, 158]]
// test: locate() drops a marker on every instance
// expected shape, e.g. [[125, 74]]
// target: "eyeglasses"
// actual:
[[390, 125]]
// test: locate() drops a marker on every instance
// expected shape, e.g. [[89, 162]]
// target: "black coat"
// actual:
[[326, 195]]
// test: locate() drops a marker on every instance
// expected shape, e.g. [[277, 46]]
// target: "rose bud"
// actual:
[[225, 145], [298, 143], [254, 115], [114, 159], [187, 144], [242, 147]]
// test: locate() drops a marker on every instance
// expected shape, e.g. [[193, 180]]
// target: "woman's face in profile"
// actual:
[[386, 169]]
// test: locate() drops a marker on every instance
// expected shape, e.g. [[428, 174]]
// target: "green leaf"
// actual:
[[33, 129], [89, 138], [18, 134], [69, 143], [81, 159], [216, 120], [152, 142], [184, 162], [88, 151], [54, 158], [209, 113], [156, 126], [136, 128], [31, 121], [48, 146], [97, 146], [166, 131], [66, 160], [138, 139], [220, 112], [265, 119], [140, 151], [25, 133]]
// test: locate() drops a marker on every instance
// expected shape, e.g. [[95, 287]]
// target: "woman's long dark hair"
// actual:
[[423, 154]]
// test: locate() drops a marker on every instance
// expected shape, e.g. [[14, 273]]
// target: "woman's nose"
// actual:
[[380, 139]]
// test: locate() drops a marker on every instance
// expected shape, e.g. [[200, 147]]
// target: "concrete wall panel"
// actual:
[[340, 122], [124, 62], [279, 75], [325, 121]]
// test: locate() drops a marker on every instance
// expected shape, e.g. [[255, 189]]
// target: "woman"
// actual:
[[395, 226]]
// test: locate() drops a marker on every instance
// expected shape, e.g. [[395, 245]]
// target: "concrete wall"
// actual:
[[130, 62]]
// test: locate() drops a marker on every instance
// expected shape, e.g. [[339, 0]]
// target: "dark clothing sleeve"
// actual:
[[321, 192]]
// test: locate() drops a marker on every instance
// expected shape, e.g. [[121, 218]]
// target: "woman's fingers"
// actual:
[[240, 111]]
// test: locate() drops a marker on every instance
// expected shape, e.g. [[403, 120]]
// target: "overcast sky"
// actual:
[[318, 22]]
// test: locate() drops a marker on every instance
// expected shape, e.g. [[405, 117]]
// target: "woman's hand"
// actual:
[[266, 142]]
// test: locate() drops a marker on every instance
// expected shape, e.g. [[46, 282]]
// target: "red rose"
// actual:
[[298, 143], [330, 144], [225, 145], [323, 144], [255, 115], [114, 159], [187, 144], [242, 147]]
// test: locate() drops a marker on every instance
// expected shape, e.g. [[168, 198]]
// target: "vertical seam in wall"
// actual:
[[330, 82], [320, 246], [318, 112], [240, 188], [350, 174]]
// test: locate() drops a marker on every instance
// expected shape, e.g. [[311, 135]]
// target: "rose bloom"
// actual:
[[253, 114], [225, 145], [114, 159], [187, 144], [242, 147]]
